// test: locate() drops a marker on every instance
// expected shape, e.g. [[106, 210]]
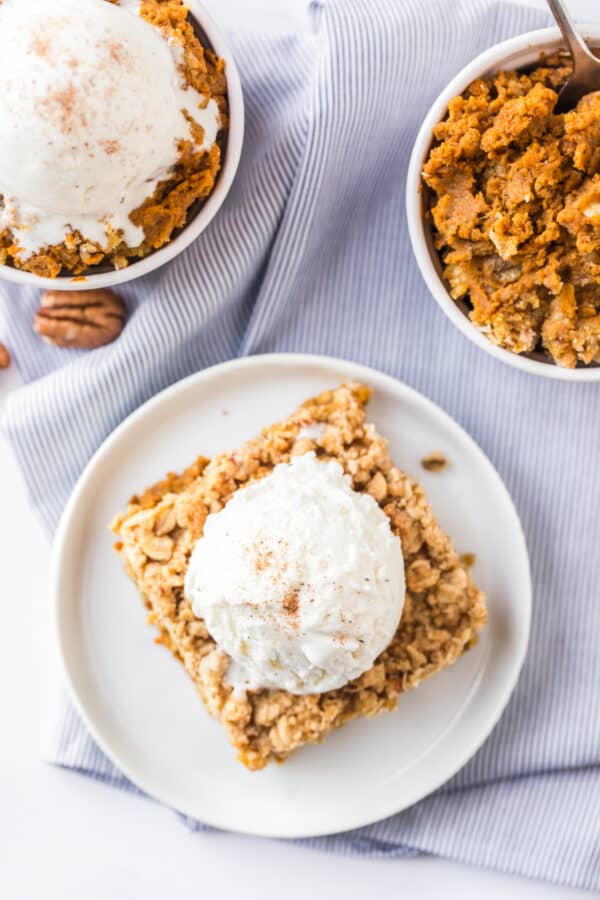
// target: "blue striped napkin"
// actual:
[[311, 253]]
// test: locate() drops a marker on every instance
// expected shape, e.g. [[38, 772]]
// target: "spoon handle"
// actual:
[[579, 49]]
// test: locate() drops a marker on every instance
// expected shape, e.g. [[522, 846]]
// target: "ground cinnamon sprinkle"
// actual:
[[291, 604], [111, 147], [40, 45], [263, 559], [116, 52], [67, 107]]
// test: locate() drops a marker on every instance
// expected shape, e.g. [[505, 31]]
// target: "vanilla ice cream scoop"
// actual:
[[91, 117], [299, 579]]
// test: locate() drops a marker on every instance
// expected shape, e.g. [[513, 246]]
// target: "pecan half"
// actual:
[[81, 319], [4, 357]]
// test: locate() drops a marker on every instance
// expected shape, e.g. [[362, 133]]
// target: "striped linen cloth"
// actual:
[[311, 253]]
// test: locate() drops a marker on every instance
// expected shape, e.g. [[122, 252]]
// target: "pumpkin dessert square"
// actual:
[[301, 580]]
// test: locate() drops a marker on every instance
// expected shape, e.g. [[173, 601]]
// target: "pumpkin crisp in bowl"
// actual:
[[514, 204], [496, 191], [113, 127]]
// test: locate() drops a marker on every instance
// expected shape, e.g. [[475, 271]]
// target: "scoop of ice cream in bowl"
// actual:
[[120, 132]]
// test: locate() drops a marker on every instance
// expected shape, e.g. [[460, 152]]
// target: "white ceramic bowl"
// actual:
[[235, 137], [512, 54]]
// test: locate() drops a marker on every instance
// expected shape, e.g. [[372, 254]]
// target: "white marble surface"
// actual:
[[64, 836]]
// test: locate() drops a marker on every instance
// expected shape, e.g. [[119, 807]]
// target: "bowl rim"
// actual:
[[496, 57], [140, 267]]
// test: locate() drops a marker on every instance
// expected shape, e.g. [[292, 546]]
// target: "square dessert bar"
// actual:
[[443, 609]]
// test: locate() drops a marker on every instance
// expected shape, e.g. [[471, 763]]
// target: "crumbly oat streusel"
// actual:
[[516, 212], [443, 610]]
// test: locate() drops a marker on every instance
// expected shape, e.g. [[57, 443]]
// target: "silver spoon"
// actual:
[[586, 67]]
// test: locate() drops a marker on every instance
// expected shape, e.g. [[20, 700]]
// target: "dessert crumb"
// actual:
[[468, 560], [435, 462], [4, 357]]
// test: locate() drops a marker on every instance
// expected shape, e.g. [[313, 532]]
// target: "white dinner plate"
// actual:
[[141, 706]]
